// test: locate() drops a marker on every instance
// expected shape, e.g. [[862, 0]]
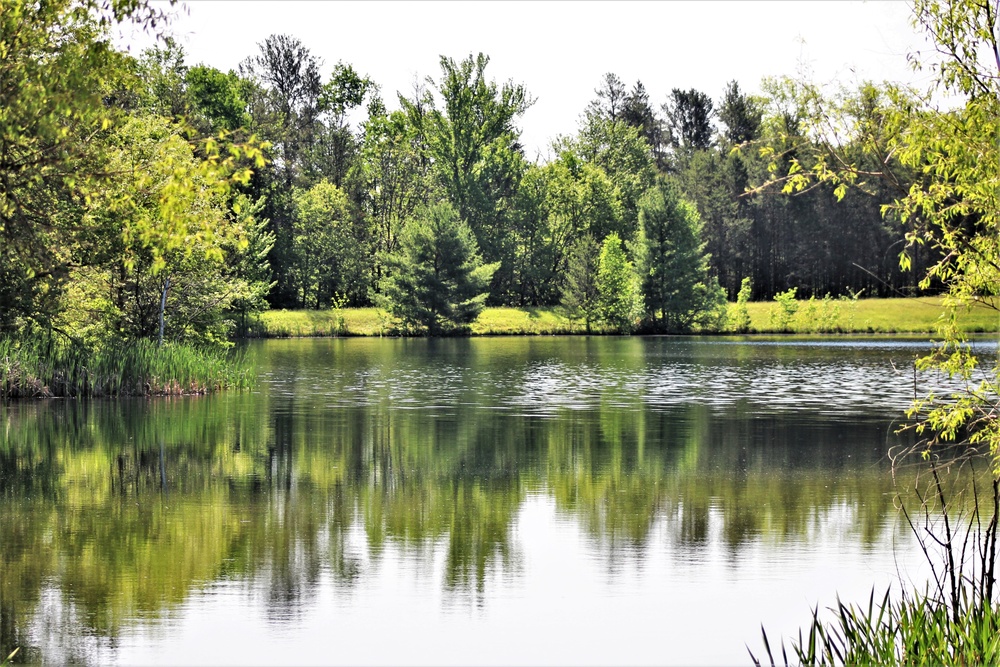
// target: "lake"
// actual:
[[560, 500]]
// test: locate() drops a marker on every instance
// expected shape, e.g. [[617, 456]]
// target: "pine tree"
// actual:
[[580, 297], [676, 286], [437, 282]]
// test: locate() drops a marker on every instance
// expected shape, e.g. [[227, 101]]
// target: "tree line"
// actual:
[[143, 194]]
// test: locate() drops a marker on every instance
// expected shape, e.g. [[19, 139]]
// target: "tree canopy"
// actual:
[[77, 196]]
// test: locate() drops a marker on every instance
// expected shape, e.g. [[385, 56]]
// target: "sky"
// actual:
[[560, 50]]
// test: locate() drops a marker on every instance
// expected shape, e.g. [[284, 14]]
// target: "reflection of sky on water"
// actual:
[[567, 604]]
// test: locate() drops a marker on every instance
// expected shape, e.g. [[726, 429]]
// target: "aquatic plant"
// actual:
[[41, 366], [956, 618]]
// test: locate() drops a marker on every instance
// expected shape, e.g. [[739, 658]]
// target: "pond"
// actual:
[[564, 500]]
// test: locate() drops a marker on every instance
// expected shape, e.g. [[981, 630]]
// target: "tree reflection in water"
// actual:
[[282, 490]]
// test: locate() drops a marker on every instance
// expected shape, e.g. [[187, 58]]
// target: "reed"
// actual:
[[954, 620], [42, 366]]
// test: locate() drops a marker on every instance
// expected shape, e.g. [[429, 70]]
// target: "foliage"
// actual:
[[56, 65], [618, 288], [784, 309], [249, 266], [558, 204], [437, 283], [624, 156], [677, 290], [741, 322], [327, 250], [164, 218], [581, 296], [689, 120], [73, 102], [109, 204], [472, 144], [40, 366], [395, 179], [951, 207], [218, 100], [741, 115]]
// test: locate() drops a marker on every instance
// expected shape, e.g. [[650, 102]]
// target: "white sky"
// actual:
[[561, 50]]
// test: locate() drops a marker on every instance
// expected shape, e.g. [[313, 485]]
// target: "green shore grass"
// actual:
[[905, 316], [39, 368]]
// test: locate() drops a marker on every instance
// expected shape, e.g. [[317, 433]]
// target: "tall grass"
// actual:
[[39, 366], [954, 620]]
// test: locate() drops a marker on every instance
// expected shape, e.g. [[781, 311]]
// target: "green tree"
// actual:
[[558, 203], [57, 64], [689, 120], [472, 143], [618, 287], [329, 253], [639, 114], [218, 100], [394, 179], [437, 282], [677, 289], [581, 296], [953, 205], [741, 115], [742, 320], [159, 236], [283, 91], [249, 265], [624, 156]]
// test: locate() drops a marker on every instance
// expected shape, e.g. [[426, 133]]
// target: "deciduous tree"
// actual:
[[472, 140], [618, 287]]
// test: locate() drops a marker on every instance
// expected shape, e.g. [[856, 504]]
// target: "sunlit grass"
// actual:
[[912, 316], [916, 315], [39, 367], [532, 321], [916, 629], [955, 619]]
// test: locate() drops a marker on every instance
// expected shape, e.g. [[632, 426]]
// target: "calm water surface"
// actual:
[[478, 501]]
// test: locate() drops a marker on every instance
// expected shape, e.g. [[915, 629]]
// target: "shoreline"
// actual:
[[841, 317]]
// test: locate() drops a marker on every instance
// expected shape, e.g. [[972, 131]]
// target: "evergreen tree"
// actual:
[[689, 120], [437, 283], [620, 301], [581, 297], [248, 263], [676, 285], [639, 114]]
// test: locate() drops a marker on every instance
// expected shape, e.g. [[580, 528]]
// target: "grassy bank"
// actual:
[[52, 367], [914, 316]]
